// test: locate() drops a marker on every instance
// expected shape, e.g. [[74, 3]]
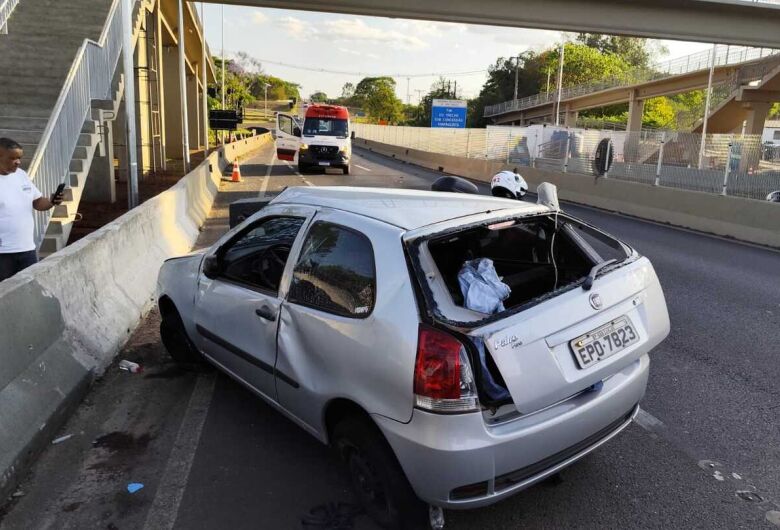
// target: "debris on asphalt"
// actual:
[[134, 486], [130, 366], [61, 439]]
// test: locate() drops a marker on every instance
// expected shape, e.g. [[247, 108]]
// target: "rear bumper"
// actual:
[[457, 461]]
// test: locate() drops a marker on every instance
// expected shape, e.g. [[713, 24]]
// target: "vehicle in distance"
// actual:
[[342, 308], [324, 140]]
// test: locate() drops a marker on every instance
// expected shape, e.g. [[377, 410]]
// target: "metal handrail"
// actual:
[[724, 55], [6, 8], [89, 78]]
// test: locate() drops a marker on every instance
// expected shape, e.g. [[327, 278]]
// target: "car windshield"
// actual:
[[325, 127]]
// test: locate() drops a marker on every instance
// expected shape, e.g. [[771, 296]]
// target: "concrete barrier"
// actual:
[[743, 219], [63, 320]]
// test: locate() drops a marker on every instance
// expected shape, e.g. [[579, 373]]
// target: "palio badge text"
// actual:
[[510, 340]]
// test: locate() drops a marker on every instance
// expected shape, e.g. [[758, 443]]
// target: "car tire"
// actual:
[[177, 343], [302, 168], [379, 483], [346, 169]]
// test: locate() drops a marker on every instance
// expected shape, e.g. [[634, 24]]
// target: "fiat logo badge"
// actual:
[[595, 301]]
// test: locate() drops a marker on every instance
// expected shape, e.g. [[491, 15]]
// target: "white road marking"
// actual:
[[308, 183], [165, 507], [361, 167], [269, 166]]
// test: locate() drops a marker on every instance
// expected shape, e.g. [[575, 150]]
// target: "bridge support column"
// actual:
[[172, 122], [636, 109], [193, 110], [756, 116], [570, 118]]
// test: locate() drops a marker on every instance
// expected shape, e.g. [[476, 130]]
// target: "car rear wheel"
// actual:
[[174, 338], [377, 478]]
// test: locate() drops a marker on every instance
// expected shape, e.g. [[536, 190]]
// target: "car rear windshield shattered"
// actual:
[[496, 268]]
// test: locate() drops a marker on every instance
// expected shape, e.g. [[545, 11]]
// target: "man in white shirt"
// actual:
[[18, 199]]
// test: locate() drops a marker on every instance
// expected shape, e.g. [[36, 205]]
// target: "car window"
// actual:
[[258, 256], [335, 272], [286, 124]]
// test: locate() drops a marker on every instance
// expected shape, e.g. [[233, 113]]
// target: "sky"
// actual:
[[359, 46]]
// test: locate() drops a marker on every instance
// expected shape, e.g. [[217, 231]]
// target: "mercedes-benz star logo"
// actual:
[[595, 301]]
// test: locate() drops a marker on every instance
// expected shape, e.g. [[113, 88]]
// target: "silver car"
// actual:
[[370, 318]]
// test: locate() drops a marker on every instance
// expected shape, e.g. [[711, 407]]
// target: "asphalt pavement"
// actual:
[[704, 453]]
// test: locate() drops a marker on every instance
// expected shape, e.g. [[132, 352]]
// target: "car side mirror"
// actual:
[[352, 135], [297, 132], [211, 266], [547, 195]]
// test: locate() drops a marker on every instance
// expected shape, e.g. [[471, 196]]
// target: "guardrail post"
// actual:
[[468, 143], [566, 154], [726, 171], [660, 160]]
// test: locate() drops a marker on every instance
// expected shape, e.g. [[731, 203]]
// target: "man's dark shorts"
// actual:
[[14, 262]]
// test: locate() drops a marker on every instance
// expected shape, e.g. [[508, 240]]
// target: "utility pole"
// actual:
[[204, 80], [560, 86], [548, 80], [707, 107], [517, 74], [456, 89], [407, 91], [222, 9], [265, 111], [130, 129], [419, 95]]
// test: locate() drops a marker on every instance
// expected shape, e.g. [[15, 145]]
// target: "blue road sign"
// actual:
[[448, 113]]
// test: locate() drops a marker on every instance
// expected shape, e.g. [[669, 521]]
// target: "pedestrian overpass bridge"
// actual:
[[744, 79]]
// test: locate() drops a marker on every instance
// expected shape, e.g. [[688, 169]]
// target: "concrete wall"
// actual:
[[743, 219], [64, 319]]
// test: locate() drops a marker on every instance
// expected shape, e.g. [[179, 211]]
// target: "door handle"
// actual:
[[266, 313]]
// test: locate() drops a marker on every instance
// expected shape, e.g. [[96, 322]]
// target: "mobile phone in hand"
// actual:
[[60, 189]]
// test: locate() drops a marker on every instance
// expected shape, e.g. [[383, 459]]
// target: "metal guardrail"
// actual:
[[724, 55], [6, 8], [90, 78], [736, 165]]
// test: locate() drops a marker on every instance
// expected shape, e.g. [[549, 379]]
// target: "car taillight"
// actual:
[[443, 381]]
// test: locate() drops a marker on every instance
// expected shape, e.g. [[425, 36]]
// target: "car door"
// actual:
[[237, 309], [348, 325], [288, 134]]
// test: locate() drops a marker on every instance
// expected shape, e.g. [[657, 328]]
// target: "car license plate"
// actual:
[[324, 163], [604, 342]]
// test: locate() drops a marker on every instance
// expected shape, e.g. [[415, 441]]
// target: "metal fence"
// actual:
[[90, 78], [724, 55], [6, 8], [735, 165]]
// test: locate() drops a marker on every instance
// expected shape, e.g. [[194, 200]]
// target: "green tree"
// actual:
[[636, 52], [376, 95], [659, 113], [319, 97]]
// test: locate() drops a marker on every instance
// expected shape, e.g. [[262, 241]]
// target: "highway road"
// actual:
[[704, 453]]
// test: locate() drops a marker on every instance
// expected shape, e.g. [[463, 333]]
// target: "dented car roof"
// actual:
[[407, 209]]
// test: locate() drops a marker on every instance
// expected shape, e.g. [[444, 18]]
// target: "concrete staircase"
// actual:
[[64, 215], [35, 58]]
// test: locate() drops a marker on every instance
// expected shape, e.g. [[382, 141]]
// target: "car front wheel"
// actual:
[[377, 478], [174, 338]]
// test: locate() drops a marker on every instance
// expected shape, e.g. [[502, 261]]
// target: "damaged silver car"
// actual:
[[454, 349]]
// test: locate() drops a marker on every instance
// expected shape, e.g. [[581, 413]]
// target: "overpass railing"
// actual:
[[6, 8], [735, 165], [90, 78], [724, 55]]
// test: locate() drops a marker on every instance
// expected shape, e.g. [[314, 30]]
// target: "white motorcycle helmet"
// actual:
[[509, 185]]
